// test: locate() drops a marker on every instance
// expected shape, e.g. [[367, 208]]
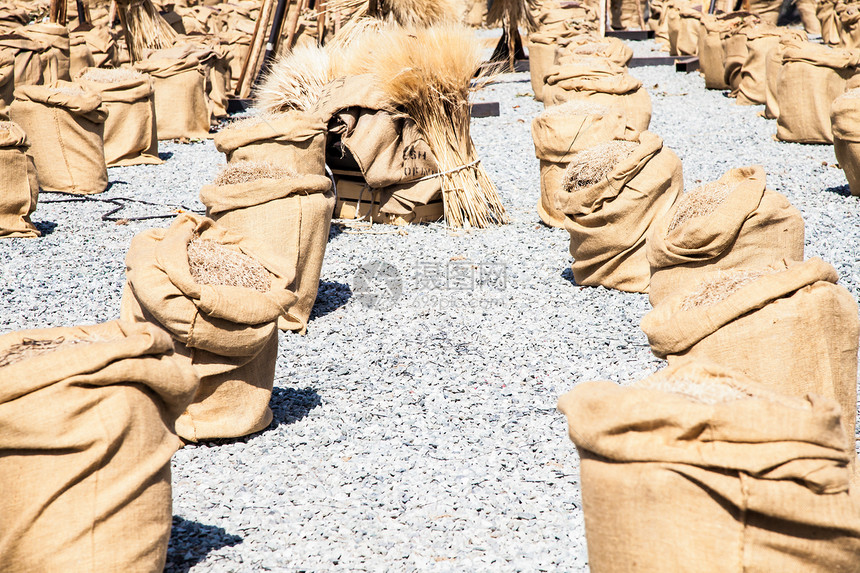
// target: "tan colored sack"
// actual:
[[574, 18], [236, 43], [761, 39], [603, 82], [130, 136], [711, 53], [56, 56], [12, 17], [683, 28], [102, 47], [87, 435], [773, 67], [180, 97], [292, 139], [475, 13], [561, 131], [29, 68], [812, 76], [845, 122], [830, 23], [65, 125], [225, 331], [735, 47], [19, 187], [80, 57], [289, 214], [625, 14], [611, 196], [661, 25], [7, 83], [806, 9], [849, 18], [767, 10], [542, 49], [585, 45], [698, 468], [759, 321], [734, 222]]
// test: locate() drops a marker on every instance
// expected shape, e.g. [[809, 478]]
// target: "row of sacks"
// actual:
[[840, 23]]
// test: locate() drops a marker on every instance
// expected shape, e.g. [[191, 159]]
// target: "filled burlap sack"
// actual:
[[758, 321], [593, 45], [28, 67], [734, 222], [626, 14], [181, 108], [102, 46], [292, 139], [219, 296], [849, 19], [65, 125], [710, 49], [767, 10], [659, 22], [86, 435], [56, 56], [560, 132], [812, 76], [698, 468], [542, 49], [288, 213], [568, 19], [773, 67], [19, 187], [761, 40], [130, 136], [12, 17], [611, 195], [80, 57], [806, 10], [683, 27], [236, 43], [830, 23], [600, 81], [735, 48], [845, 123], [7, 83]]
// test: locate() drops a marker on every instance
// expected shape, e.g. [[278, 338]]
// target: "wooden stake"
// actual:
[[602, 9], [54, 13], [292, 27], [249, 72], [321, 21]]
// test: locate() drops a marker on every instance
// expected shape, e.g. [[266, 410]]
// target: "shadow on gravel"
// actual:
[[567, 274], [45, 227], [289, 405], [165, 155], [844, 190], [191, 542], [330, 297]]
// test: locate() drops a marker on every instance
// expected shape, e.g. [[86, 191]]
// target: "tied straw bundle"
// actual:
[[428, 73], [144, 28]]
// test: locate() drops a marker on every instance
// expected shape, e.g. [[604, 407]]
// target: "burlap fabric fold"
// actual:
[[101, 45], [761, 40], [683, 28], [130, 130], [593, 45], [86, 435], [56, 56], [849, 19], [180, 97], [830, 23], [600, 81], [767, 10], [773, 67], [291, 218], [80, 56], [698, 468], [568, 19], [65, 125], [609, 221], [750, 227], [29, 67], [19, 188], [845, 122], [710, 51], [760, 321], [542, 48], [295, 139], [812, 76], [558, 133], [227, 333], [806, 10], [12, 17], [7, 83]]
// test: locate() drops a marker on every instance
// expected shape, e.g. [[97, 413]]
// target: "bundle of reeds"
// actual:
[[428, 74], [144, 28], [294, 80], [513, 14], [403, 12]]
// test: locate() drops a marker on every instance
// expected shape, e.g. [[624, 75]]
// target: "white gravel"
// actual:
[[422, 436]]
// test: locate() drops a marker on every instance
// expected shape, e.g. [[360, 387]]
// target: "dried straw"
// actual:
[[109, 75], [30, 348], [428, 73], [700, 202], [212, 263], [402, 12], [720, 287], [295, 80], [245, 171], [593, 165], [144, 27]]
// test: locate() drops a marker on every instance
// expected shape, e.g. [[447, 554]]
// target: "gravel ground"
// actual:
[[419, 431]]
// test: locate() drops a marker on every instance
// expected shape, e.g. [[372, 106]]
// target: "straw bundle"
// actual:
[[211, 263], [720, 287], [29, 348], [591, 166], [403, 12], [428, 72], [699, 203], [144, 27], [295, 80], [244, 171]]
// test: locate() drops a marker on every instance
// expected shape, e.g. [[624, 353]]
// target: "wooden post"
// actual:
[[54, 12], [249, 72], [292, 27], [322, 17], [602, 10]]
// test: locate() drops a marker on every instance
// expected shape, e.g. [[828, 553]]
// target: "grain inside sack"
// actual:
[[758, 321], [288, 214], [699, 464], [611, 195], [812, 76], [130, 127], [87, 436], [734, 222], [65, 125], [19, 187], [560, 132], [845, 123], [224, 327]]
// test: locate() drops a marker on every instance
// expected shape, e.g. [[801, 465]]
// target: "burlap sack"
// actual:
[[806, 9], [227, 333], [561, 131], [80, 57], [287, 213], [734, 222], [609, 221], [7, 83], [625, 14], [86, 441], [475, 13], [19, 187], [773, 67], [293, 139], [849, 18], [102, 47], [542, 49], [236, 43], [29, 68], [130, 136], [65, 125], [767, 10], [180, 97], [12, 17], [736, 53], [573, 18], [812, 76], [56, 56], [600, 81], [761, 39], [592, 45], [845, 122], [683, 28], [758, 321], [698, 468], [710, 50], [830, 23]]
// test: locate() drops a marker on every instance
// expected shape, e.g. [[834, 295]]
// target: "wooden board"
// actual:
[[688, 64], [630, 34]]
